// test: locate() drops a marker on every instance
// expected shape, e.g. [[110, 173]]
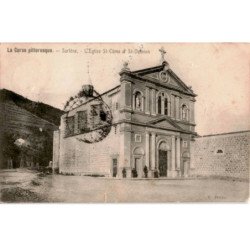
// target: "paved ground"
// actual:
[[28, 186]]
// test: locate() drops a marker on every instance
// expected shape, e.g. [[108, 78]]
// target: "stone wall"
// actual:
[[225, 155], [77, 152], [78, 157]]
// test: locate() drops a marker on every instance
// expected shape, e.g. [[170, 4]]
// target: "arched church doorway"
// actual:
[[163, 159]]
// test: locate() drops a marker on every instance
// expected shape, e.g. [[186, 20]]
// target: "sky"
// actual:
[[219, 74]]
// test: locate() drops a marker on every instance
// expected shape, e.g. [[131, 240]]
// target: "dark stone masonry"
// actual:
[[221, 155]]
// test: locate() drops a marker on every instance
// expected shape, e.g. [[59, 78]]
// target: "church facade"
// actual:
[[145, 126]]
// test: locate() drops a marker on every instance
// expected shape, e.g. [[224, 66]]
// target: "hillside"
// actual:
[[26, 131], [39, 109]]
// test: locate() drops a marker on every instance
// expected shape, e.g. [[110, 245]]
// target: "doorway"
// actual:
[[163, 163], [163, 151], [138, 166], [185, 169], [114, 167]]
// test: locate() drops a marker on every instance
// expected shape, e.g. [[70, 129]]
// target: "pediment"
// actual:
[[165, 76], [165, 123], [154, 75]]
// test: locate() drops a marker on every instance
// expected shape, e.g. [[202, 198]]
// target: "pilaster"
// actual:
[[162, 106], [153, 102], [147, 101], [147, 150], [177, 107], [172, 106], [173, 154], [169, 108], [153, 136], [178, 153], [125, 150], [126, 95]]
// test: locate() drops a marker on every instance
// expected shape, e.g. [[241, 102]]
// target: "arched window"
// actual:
[[162, 104], [166, 106], [138, 101], [184, 112], [159, 104]]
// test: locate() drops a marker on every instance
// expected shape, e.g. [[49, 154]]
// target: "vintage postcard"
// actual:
[[124, 122]]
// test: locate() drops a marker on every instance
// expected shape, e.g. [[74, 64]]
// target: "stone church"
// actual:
[[143, 126]]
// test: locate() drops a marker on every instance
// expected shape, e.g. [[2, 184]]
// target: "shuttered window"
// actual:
[[69, 125]]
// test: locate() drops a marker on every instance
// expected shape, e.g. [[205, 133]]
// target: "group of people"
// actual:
[[134, 172]]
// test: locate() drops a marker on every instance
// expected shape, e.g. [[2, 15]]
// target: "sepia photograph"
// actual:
[[124, 122]]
